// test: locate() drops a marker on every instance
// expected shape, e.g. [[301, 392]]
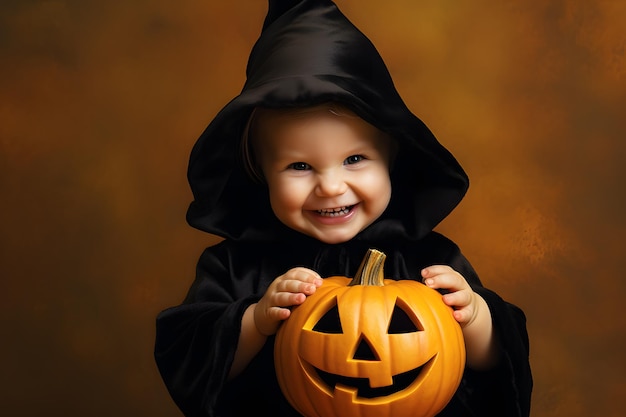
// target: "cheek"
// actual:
[[286, 195], [383, 198], [377, 189]]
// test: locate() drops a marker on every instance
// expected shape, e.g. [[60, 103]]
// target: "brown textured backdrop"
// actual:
[[101, 101]]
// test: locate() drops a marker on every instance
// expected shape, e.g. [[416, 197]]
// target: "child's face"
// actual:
[[328, 174]]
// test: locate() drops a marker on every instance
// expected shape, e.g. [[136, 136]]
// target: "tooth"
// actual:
[[331, 212]]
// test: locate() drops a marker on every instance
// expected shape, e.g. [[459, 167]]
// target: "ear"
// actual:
[[277, 8]]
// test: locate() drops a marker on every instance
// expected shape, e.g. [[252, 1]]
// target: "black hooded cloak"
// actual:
[[309, 53]]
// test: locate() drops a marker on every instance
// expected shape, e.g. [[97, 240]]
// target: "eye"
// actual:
[[330, 321], [401, 322], [354, 159], [299, 166]]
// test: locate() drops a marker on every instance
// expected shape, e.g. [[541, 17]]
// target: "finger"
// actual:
[[435, 270], [458, 299], [287, 299], [449, 281], [305, 275], [462, 316], [296, 286], [278, 313]]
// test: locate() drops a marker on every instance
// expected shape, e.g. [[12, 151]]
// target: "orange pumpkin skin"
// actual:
[[432, 357]]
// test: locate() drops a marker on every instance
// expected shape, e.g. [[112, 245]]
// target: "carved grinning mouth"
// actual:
[[364, 390]]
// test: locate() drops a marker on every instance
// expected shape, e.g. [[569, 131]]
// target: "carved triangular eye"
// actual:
[[330, 322], [401, 322]]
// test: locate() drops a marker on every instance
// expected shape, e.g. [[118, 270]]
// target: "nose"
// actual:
[[365, 351], [330, 184]]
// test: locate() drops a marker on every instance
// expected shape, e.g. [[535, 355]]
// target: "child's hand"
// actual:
[[459, 296], [472, 313], [289, 289]]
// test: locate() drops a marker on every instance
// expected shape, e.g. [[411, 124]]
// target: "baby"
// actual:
[[317, 160]]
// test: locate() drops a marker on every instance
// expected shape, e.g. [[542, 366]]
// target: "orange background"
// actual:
[[101, 102]]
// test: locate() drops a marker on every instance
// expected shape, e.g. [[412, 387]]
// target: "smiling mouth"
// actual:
[[335, 212], [364, 390]]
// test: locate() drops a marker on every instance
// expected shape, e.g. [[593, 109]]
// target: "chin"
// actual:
[[334, 238]]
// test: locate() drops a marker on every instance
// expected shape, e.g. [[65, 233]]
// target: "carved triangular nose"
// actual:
[[365, 352]]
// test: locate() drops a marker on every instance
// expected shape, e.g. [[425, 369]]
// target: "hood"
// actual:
[[309, 53]]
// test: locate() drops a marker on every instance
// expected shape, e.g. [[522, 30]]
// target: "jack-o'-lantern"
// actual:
[[370, 347]]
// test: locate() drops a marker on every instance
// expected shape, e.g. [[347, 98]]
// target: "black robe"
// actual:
[[309, 53]]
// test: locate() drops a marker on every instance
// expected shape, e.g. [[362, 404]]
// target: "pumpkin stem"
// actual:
[[370, 271]]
